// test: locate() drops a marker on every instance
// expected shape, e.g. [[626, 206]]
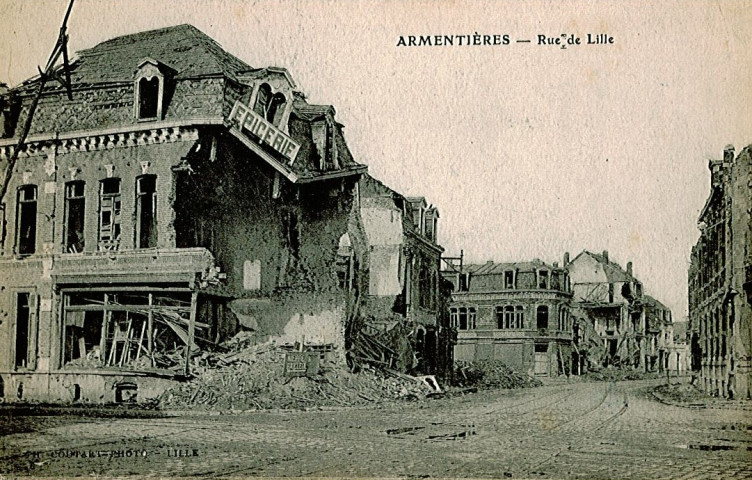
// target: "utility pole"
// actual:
[[60, 49]]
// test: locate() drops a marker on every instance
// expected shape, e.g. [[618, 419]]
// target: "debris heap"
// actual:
[[491, 374], [247, 376]]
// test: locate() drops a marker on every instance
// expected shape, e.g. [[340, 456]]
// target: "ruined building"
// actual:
[[518, 313], [612, 301], [720, 280], [404, 279], [659, 335], [180, 196]]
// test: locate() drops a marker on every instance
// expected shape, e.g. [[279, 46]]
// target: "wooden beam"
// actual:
[[191, 331]]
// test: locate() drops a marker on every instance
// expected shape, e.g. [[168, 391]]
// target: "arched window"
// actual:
[[542, 317], [519, 316]]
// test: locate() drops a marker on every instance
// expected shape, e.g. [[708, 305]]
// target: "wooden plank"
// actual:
[[150, 320], [191, 331]]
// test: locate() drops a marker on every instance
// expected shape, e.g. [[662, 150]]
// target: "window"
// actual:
[[610, 293], [26, 236], [519, 316], [146, 211], [463, 318], [109, 214], [268, 105], [148, 98], [509, 279], [542, 318], [23, 317], [543, 279], [74, 217]]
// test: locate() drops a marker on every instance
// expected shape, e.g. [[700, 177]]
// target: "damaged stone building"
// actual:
[[180, 195], [611, 299], [404, 273], [720, 280], [517, 313]]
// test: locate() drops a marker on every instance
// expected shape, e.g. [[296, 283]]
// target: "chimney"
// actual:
[[605, 255], [556, 264], [728, 154], [629, 268], [566, 258]]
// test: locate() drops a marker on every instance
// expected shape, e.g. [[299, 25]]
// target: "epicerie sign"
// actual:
[[249, 121]]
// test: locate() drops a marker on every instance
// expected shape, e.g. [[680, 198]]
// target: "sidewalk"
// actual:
[[682, 394]]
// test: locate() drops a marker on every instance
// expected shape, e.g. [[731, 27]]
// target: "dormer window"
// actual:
[[148, 98], [543, 279], [509, 279], [269, 105], [149, 89]]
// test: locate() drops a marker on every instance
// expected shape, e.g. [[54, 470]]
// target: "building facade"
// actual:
[[659, 335], [518, 313], [403, 271], [612, 301], [720, 280], [181, 195]]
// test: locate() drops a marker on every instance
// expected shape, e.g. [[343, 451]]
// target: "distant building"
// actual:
[[659, 335], [720, 280], [518, 313], [613, 301]]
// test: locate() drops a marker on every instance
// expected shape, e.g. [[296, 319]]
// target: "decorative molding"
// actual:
[[88, 142]]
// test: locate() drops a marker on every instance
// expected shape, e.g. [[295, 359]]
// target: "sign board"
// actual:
[[301, 364], [262, 131]]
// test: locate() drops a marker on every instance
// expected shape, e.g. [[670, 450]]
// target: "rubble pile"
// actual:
[[617, 374], [491, 374], [248, 376]]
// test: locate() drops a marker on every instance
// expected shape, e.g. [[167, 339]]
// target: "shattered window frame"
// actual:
[[110, 202], [75, 216], [26, 219], [130, 330]]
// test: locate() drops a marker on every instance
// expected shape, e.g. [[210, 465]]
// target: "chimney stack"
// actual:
[[728, 154], [605, 255], [629, 268], [566, 258]]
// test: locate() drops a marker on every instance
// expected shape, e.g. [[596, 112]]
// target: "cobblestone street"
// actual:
[[583, 430]]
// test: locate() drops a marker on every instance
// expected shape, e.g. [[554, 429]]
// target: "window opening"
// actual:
[[509, 280], [542, 320], [268, 105], [146, 212], [148, 98], [23, 314], [519, 316], [109, 214], [27, 219], [74, 217], [543, 279]]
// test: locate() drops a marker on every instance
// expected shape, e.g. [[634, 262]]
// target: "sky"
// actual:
[[527, 150]]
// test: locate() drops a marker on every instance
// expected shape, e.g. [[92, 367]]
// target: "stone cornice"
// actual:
[[105, 139], [510, 295]]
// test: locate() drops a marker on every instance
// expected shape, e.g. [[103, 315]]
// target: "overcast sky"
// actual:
[[528, 151]]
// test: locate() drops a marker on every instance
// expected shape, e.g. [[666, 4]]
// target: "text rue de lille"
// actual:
[[562, 41]]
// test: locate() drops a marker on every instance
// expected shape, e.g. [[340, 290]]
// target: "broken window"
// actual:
[[269, 105], [74, 217], [146, 211], [109, 214], [543, 279], [23, 321], [148, 98], [610, 293], [26, 226], [133, 330], [509, 279], [542, 317], [463, 318]]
